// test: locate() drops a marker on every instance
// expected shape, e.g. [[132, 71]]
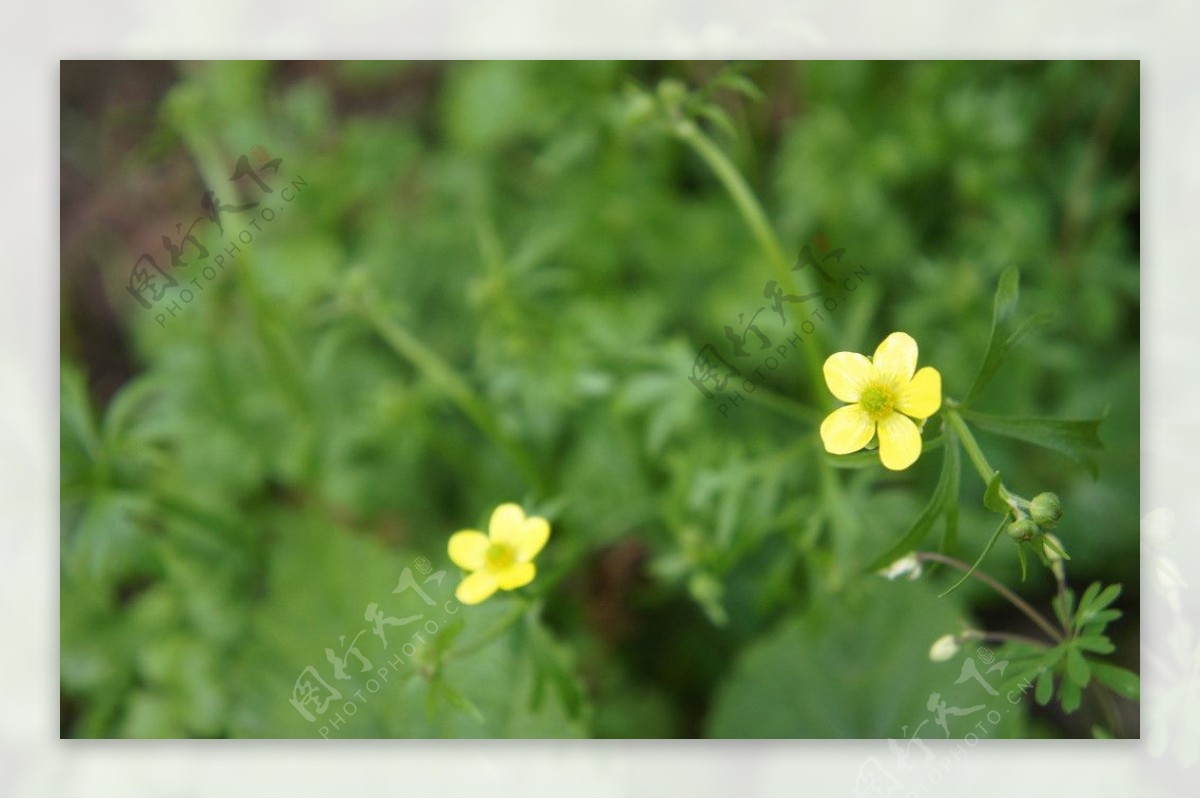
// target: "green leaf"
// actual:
[[717, 115], [1070, 696], [1122, 681], [1099, 644], [1077, 668], [1096, 622], [1106, 598], [780, 685], [739, 83], [1064, 608], [1045, 687], [916, 533], [1085, 601], [1005, 335], [1075, 438], [993, 497]]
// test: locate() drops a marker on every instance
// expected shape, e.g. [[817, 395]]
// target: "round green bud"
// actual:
[[1045, 509], [1023, 530]]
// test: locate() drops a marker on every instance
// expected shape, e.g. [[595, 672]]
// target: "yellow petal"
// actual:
[[475, 588], [846, 373], [847, 430], [897, 356], [517, 576], [923, 395], [532, 537], [506, 522], [899, 441], [466, 549]]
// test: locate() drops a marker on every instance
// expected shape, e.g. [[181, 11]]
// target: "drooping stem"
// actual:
[[999, 588]]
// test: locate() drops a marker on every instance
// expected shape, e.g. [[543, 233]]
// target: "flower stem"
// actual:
[[756, 219], [520, 606], [999, 588], [969, 443]]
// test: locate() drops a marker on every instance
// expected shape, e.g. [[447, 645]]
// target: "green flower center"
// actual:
[[877, 400], [499, 557]]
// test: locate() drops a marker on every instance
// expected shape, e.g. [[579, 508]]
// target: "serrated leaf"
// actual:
[[1122, 681], [1075, 438], [993, 498]]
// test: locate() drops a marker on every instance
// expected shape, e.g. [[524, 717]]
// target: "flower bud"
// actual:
[[1052, 554], [1023, 530], [907, 566], [943, 648], [1045, 509]]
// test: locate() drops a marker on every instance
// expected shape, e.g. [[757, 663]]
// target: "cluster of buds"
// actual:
[[1033, 530]]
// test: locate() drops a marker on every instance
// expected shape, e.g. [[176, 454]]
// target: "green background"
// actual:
[[542, 262]]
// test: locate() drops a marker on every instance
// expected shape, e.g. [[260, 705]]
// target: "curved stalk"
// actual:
[[999, 588]]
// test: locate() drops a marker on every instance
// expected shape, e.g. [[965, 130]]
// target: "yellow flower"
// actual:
[[885, 392], [501, 559]]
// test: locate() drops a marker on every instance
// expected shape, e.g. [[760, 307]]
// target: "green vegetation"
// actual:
[[491, 283]]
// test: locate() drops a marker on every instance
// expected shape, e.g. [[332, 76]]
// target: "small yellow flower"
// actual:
[[885, 391], [501, 559]]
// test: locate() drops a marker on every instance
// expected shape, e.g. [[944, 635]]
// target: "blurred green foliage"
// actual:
[[491, 286]]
